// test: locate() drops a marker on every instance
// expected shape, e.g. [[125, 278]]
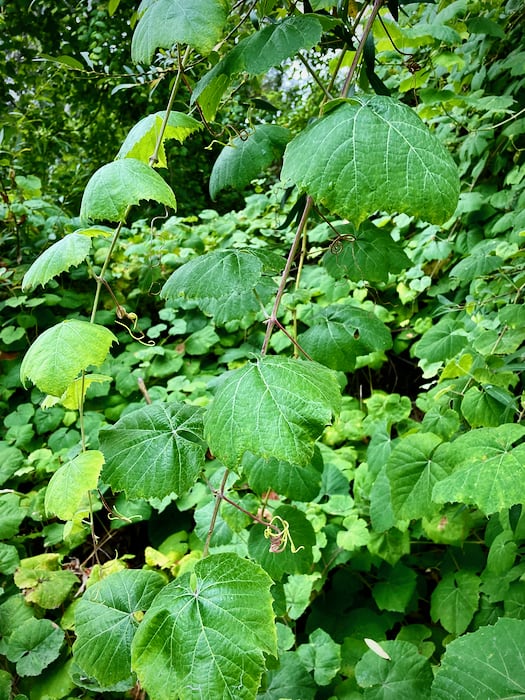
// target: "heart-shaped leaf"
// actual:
[[106, 620], [116, 186], [142, 138], [58, 355], [154, 451], [198, 23], [68, 252], [246, 157], [69, 484], [273, 407], [208, 631], [34, 645], [373, 154]]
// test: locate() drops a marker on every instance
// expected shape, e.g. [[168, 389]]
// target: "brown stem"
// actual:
[[219, 495], [368, 28]]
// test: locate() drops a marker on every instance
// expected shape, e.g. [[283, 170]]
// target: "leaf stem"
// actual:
[[219, 495], [99, 278], [366, 31], [272, 320]]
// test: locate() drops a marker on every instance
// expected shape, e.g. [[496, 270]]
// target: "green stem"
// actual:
[[219, 495], [100, 277]]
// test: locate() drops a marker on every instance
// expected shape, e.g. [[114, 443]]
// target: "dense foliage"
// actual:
[[264, 440]]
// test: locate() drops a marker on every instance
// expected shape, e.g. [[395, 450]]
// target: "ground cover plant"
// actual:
[[270, 446]]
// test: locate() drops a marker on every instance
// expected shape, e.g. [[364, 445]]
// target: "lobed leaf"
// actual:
[[273, 407], [486, 664], [68, 252], [206, 633], [373, 154], [58, 355], [116, 186], [154, 451], [246, 157], [164, 23], [106, 619], [34, 645], [455, 600], [485, 469]]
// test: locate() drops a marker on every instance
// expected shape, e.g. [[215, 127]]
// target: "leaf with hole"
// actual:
[[273, 407], [248, 156], [154, 451], [106, 619], [58, 356], [164, 23], [68, 252], [70, 483], [404, 168], [220, 621], [117, 186], [341, 333], [142, 138]]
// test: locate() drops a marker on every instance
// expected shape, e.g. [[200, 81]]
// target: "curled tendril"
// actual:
[[135, 333], [279, 536], [336, 246]]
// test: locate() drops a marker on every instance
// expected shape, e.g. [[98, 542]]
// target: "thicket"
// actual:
[[271, 449]]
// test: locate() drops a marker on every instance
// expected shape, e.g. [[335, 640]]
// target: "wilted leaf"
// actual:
[[69, 484]]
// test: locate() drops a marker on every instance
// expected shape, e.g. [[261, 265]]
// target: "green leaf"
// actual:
[[404, 168], [455, 600], [341, 333], [406, 674], [11, 459], [68, 252], [368, 254], [396, 590], [106, 619], [247, 156], [34, 645], [290, 680], [256, 54], [116, 186], [43, 582], [198, 24], [441, 342], [302, 483], [206, 633], [485, 664], [58, 355], [322, 656], [273, 407], [214, 275], [412, 473], [69, 484], [487, 406], [286, 561], [154, 451], [142, 138], [353, 534], [485, 469], [11, 515]]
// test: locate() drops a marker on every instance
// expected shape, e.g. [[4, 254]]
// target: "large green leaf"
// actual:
[[106, 619], [206, 633], [246, 157], [441, 342], [34, 645], [367, 253], [256, 54], [69, 484], [142, 138], [58, 355], [486, 664], [405, 674], [455, 600], [198, 23], [154, 451], [116, 186], [273, 407], [341, 333], [484, 468], [302, 483], [65, 253], [373, 154], [412, 474]]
